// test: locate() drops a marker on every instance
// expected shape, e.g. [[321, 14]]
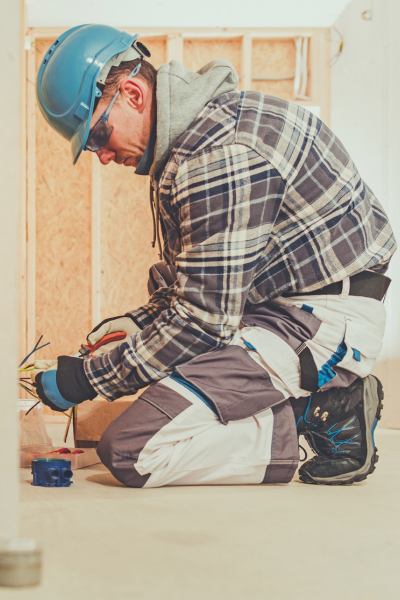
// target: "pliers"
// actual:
[[87, 349]]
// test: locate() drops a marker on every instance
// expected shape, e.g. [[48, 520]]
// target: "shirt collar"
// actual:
[[147, 159]]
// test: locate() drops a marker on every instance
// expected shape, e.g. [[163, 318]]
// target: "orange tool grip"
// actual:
[[110, 337]]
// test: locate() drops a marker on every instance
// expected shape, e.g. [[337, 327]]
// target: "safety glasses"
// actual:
[[100, 133]]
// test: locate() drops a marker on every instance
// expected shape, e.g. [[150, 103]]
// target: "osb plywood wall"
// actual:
[[270, 58], [197, 53], [274, 58], [63, 239], [126, 233]]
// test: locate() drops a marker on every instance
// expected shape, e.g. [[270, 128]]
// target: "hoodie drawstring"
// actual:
[[153, 243], [156, 220]]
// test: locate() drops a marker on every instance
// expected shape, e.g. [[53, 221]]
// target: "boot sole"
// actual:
[[372, 406]]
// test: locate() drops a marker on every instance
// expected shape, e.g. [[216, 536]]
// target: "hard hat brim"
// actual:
[[79, 139]]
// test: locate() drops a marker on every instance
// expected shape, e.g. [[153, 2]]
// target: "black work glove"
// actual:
[[66, 386]]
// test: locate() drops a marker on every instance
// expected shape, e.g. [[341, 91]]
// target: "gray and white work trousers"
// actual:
[[225, 416]]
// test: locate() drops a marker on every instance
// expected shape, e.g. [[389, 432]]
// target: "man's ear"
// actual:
[[135, 93]]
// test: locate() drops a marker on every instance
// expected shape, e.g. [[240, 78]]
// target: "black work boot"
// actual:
[[339, 426]]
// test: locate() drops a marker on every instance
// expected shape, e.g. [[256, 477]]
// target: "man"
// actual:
[[266, 315]]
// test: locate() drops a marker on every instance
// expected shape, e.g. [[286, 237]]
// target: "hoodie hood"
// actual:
[[181, 95]]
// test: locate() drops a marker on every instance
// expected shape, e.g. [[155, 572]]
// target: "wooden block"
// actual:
[[95, 416]]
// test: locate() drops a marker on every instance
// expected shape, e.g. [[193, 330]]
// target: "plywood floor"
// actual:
[[104, 541]]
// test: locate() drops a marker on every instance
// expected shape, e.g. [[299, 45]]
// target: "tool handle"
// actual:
[[110, 337]]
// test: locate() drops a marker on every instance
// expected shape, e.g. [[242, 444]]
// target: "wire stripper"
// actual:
[[87, 349]]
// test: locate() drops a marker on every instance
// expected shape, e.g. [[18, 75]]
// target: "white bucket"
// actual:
[[33, 433]]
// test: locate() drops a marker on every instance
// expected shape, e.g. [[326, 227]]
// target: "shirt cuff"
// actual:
[[140, 317]]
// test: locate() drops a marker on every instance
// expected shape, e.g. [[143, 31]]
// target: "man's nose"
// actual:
[[105, 156]]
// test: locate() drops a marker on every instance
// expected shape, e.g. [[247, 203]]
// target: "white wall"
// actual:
[[185, 13], [9, 235], [365, 116]]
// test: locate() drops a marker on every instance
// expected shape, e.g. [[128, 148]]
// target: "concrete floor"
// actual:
[[104, 541]]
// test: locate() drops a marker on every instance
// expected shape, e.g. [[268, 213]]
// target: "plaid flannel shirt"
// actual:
[[258, 198]]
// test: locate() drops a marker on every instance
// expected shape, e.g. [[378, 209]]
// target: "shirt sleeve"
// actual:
[[160, 300], [225, 202]]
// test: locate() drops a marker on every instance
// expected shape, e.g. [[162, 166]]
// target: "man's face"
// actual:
[[131, 117]]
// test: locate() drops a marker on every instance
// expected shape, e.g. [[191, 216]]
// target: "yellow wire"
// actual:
[[27, 368], [29, 391]]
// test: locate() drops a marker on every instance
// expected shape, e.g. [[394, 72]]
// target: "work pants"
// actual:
[[225, 417]]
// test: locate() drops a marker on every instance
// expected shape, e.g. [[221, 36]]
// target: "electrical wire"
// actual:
[[36, 348], [24, 381], [38, 402], [27, 383], [29, 391], [32, 407]]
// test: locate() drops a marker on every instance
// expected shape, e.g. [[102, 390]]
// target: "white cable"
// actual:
[[301, 75], [297, 75], [303, 87]]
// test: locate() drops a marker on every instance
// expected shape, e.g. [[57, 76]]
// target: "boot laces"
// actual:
[[319, 441], [322, 443]]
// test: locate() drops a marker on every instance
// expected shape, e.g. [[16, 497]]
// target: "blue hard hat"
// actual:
[[67, 83]]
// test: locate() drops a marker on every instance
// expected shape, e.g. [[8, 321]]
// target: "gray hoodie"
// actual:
[[181, 95]]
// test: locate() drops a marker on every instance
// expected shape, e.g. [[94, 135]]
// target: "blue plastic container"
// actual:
[[51, 472]]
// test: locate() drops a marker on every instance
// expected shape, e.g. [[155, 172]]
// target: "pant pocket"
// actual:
[[235, 384], [364, 344]]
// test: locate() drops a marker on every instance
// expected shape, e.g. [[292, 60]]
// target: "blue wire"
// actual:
[[34, 350]]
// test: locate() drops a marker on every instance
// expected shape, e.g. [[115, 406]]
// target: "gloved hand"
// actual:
[[112, 325], [43, 365], [62, 384]]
